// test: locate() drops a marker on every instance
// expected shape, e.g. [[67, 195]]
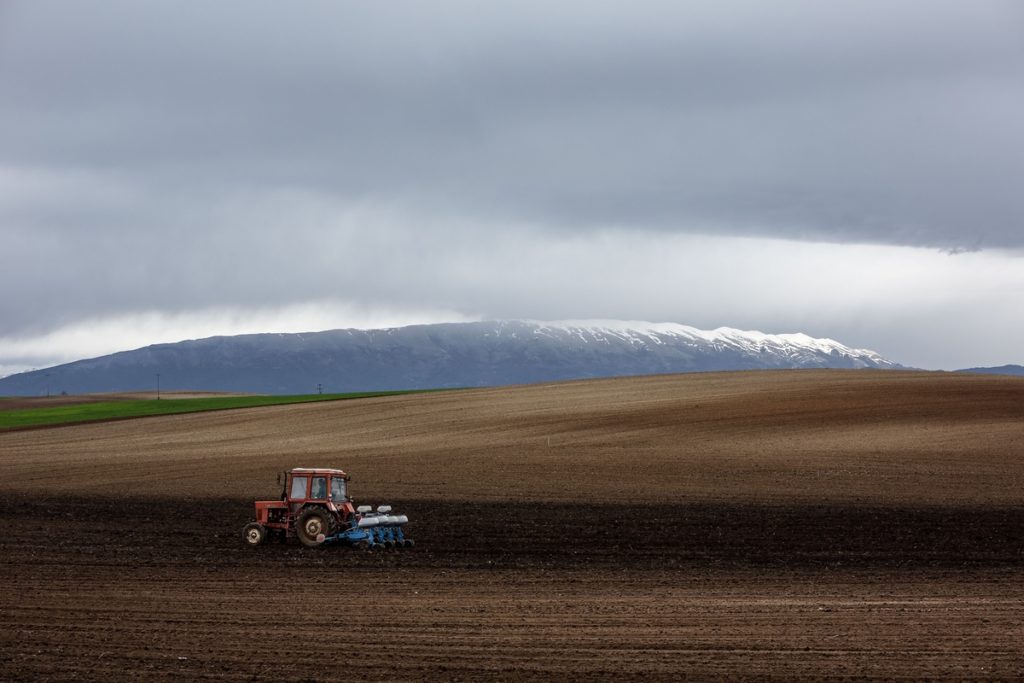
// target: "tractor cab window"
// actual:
[[298, 487], [319, 490], [338, 488]]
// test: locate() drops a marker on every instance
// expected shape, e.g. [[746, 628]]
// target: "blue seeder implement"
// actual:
[[374, 529]]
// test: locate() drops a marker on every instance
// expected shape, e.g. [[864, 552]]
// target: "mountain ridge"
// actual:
[[487, 353], [1009, 369]]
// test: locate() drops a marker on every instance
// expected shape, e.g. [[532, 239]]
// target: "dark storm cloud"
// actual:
[[882, 121], [172, 155]]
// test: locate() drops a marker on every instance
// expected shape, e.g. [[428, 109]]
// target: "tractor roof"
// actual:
[[318, 470]]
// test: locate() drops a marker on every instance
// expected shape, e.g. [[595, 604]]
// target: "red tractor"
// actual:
[[315, 507]]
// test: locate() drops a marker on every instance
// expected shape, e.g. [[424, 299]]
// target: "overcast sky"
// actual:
[[173, 170]]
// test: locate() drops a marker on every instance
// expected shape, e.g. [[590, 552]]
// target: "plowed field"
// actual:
[[782, 525]]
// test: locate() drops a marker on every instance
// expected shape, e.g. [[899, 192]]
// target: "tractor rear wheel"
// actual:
[[254, 534], [313, 526]]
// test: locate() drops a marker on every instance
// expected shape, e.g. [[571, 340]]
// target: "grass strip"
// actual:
[[119, 410]]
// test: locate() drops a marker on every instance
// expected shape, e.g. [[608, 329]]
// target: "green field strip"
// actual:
[[119, 410]]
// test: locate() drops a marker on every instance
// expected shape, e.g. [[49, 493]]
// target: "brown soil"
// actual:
[[787, 525]]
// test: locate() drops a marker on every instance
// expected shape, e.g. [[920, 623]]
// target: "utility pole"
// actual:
[[47, 385], [319, 388], [158, 386]]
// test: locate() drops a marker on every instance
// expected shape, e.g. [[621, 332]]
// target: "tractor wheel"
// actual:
[[313, 525], [254, 534]]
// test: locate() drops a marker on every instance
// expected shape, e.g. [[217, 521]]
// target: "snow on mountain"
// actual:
[[750, 341], [442, 355]]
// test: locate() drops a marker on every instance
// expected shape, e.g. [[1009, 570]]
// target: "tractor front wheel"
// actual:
[[254, 534], [313, 526]]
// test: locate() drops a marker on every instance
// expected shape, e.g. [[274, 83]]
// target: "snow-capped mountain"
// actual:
[[441, 355]]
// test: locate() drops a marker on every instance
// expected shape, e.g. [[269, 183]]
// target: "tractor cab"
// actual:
[[327, 487]]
